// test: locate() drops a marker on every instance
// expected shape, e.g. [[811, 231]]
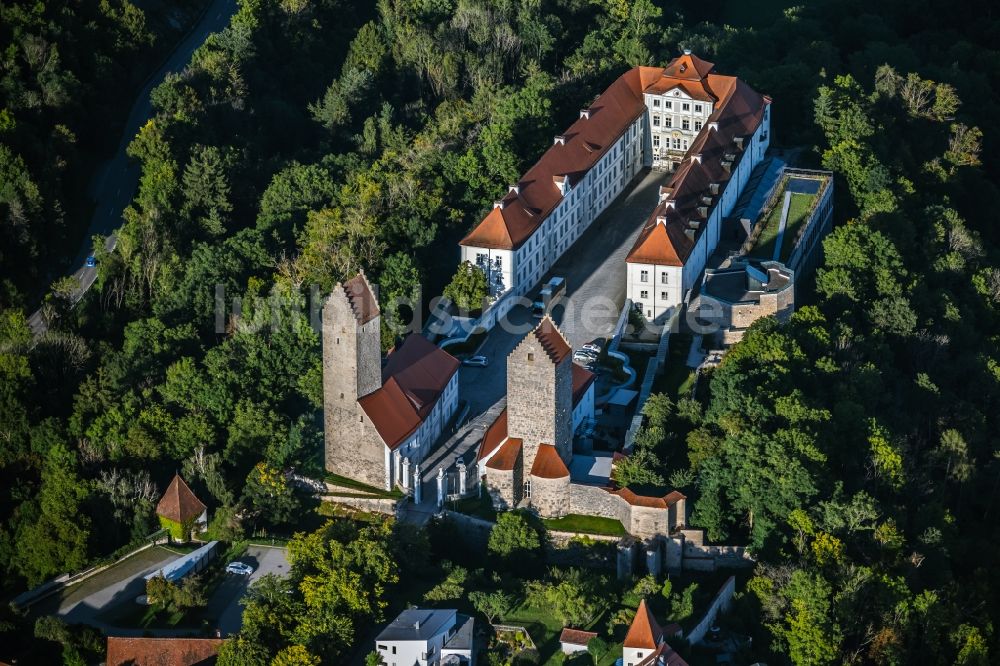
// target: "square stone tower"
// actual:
[[352, 369], [540, 392]]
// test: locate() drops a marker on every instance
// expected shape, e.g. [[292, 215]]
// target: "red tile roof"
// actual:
[[548, 464], [582, 379], [739, 111], [508, 456], [412, 381], [178, 503], [552, 340], [361, 297], [634, 499], [584, 143], [576, 636], [664, 655], [162, 651], [495, 435], [644, 632]]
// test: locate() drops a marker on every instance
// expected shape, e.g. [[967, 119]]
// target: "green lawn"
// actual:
[[676, 380], [798, 213], [345, 482], [585, 524]]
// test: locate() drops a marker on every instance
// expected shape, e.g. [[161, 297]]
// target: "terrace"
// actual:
[[787, 213]]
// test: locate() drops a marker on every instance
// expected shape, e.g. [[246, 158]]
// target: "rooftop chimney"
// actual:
[[516, 189], [559, 140], [669, 204], [585, 114], [499, 203], [661, 220]]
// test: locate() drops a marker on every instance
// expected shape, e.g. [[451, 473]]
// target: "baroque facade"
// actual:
[[380, 422]]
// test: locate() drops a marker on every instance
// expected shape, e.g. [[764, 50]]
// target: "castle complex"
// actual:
[[379, 421], [709, 131]]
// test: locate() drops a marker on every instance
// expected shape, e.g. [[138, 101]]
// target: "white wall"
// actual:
[[660, 295], [418, 445], [523, 268]]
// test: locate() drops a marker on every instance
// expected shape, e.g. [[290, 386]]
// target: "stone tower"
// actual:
[[352, 369], [540, 392]]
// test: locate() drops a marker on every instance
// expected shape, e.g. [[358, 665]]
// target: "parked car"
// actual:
[[91, 261], [591, 347], [584, 355], [477, 361], [239, 568]]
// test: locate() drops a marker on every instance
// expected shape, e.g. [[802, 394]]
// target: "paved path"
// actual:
[[781, 225], [594, 266], [115, 181], [225, 601]]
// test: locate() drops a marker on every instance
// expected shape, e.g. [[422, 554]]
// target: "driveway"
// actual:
[[225, 601], [594, 268], [85, 601], [115, 182]]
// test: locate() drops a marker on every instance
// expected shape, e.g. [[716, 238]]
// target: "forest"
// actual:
[[852, 449]]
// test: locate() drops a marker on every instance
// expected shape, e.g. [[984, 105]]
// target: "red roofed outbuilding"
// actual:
[[180, 510]]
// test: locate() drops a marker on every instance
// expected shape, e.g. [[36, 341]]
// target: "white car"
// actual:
[[477, 361], [584, 356], [591, 347], [239, 568]]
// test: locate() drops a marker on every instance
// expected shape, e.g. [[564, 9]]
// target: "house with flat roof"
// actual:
[[379, 419], [738, 295], [427, 637]]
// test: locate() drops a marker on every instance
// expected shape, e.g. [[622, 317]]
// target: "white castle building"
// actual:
[[711, 129]]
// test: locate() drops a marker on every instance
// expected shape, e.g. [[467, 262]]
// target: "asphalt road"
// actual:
[[225, 601], [115, 182], [594, 268]]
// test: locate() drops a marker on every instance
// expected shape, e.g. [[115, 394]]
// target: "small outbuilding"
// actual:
[[180, 510], [575, 640]]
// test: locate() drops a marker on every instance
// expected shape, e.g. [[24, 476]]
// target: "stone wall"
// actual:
[[505, 486], [369, 504], [595, 501], [539, 400], [719, 605], [647, 521], [351, 369], [550, 496]]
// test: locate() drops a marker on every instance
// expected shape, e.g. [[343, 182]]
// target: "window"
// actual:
[[663, 277], [656, 102], [643, 276], [697, 125], [527, 489], [685, 107], [663, 295], [670, 105], [394, 649], [531, 357], [685, 123], [675, 143], [684, 142], [656, 121], [644, 294], [697, 108], [670, 121], [656, 144], [482, 259]]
